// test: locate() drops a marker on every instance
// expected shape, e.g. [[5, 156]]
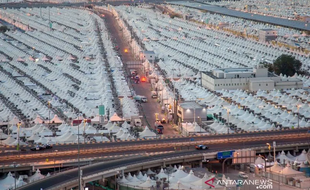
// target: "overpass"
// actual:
[[141, 146], [299, 25], [103, 170]]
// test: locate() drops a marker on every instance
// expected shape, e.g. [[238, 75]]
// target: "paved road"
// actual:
[[67, 147], [144, 88], [249, 16], [88, 170]]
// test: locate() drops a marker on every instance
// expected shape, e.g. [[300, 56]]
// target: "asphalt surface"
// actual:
[[100, 167], [148, 109], [69, 147], [249, 16]]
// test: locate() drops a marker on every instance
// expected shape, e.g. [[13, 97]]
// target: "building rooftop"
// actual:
[[149, 52], [267, 29], [190, 105]]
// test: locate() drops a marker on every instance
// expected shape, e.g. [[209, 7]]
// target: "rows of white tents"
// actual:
[[176, 179], [9, 181], [40, 134]]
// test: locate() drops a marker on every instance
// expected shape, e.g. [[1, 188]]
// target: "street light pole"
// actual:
[[18, 126], [85, 120], [228, 121], [298, 106], [15, 174], [79, 167], [274, 151]]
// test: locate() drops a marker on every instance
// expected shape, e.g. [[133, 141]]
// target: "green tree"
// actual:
[[287, 65]]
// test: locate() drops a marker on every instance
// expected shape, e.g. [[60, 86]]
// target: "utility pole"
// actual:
[[274, 151], [18, 126], [79, 167]]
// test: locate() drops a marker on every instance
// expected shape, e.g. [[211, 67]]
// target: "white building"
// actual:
[[267, 35], [251, 79]]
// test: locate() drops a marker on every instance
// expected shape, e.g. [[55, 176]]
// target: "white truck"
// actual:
[[139, 98]]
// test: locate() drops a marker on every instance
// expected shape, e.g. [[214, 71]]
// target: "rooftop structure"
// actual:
[[251, 79]]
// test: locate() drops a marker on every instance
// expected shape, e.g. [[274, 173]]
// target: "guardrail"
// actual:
[[149, 160], [152, 145]]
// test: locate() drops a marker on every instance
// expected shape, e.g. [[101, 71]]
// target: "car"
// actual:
[[37, 148], [47, 146], [201, 147], [243, 175]]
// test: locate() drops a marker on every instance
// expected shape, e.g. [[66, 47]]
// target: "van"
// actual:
[[154, 94], [140, 98]]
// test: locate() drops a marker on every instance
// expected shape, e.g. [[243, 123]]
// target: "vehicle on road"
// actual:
[[243, 175], [47, 146], [139, 98], [154, 94], [37, 148], [201, 147], [160, 129], [41, 147]]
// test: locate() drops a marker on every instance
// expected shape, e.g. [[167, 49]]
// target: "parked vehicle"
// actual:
[[201, 147], [139, 98], [138, 122]]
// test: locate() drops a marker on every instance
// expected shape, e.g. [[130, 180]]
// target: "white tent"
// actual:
[[7, 182], [56, 119], [177, 186], [96, 119], [148, 183], [150, 172], [162, 174], [180, 174], [134, 181], [147, 133], [129, 177], [123, 180], [38, 119], [189, 178], [19, 182], [201, 182], [282, 157], [36, 176], [303, 156]]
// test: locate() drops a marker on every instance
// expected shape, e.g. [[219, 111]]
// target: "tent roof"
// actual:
[[115, 117], [189, 178], [276, 167], [148, 183], [56, 119]]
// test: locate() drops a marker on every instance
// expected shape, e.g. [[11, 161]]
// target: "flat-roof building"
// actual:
[[251, 79]]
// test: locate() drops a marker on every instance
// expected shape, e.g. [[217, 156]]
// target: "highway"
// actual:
[[67, 147], [145, 148], [100, 167]]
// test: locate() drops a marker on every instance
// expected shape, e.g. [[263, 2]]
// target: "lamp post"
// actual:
[[228, 121], [269, 147], [79, 167], [85, 121], [54, 159], [298, 106], [274, 151], [18, 126], [14, 163], [49, 113]]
